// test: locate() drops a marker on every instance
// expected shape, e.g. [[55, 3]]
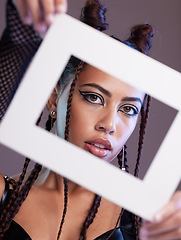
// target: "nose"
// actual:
[[107, 122]]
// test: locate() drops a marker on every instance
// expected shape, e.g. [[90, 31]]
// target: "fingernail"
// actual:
[[49, 18], [179, 204], [61, 8], [27, 20], [40, 27], [158, 217]]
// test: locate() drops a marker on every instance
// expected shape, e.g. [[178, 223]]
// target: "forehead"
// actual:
[[114, 85]]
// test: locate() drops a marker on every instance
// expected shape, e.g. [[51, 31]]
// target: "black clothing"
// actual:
[[18, 45], [124, 232]]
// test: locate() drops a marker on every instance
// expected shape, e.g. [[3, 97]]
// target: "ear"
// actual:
[[52, 101]]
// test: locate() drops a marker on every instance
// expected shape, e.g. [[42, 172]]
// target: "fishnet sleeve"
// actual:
[[17, 47]]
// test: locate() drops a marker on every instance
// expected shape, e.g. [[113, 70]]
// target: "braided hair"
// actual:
[[144, 118], [141, 39], [96, 203], [92, 14], [138, 33], [91, 215], [141, 35], [21, 190]]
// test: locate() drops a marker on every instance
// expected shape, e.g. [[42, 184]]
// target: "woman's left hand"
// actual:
[[166, 224]]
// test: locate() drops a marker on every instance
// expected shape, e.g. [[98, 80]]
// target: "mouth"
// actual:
[[99, 147]]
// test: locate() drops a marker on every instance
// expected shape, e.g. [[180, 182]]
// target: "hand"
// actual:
[[40, 13], [167, 222]]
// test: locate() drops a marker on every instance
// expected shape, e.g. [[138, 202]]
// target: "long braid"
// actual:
[[92, 14], [66, 134], [25, 190], [144, 118], [35, 171], [19, 194], [143, 123], [97, 199], [5, 215], [140, 142], [65, 206], [69, 102], [137, 225], [122, 162], [96, 202], [91, 215]]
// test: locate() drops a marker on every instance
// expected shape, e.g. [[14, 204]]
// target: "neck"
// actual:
[[55, 182]]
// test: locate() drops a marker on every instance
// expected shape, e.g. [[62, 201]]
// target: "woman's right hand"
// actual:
[[40, 13]]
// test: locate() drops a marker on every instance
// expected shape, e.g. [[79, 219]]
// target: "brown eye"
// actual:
[[93, 98], [127, 109], [130, 110]]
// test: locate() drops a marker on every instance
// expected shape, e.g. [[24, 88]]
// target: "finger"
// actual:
[[171, 224], [34, 8], [61, 6], [39, 24], [173, 206], [172, 235], [48, 10], [22, 8]]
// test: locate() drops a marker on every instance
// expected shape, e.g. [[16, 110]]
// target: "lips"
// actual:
[[99, 147]]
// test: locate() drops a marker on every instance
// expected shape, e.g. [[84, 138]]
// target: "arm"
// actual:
[[17, 47], [20, 42]]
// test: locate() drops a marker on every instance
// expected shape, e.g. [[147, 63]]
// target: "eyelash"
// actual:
[[87, 95], [131, 108]]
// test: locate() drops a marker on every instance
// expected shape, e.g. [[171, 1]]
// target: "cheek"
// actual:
[[131, 127], [123, 133], [125, 129], [80, 123]]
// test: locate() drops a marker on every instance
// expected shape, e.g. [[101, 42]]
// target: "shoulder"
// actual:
[[2, 185]]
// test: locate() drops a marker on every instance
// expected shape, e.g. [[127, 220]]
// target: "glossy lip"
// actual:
[[96, 151], [106, 143]]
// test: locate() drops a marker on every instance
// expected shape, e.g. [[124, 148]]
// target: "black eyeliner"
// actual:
[[84, 93], [131, 105]]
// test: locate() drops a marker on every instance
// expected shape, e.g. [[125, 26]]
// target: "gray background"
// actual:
[[165, 16]]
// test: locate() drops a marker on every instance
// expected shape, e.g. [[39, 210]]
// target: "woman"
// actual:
[[114, 115]]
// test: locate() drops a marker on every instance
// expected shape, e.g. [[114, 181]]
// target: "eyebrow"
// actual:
[[103, 90], [132, 99], [106, 92]]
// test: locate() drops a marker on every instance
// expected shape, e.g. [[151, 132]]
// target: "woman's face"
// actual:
[[104, 113]]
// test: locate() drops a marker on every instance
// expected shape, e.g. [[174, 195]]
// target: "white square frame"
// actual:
[[66, 37]]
